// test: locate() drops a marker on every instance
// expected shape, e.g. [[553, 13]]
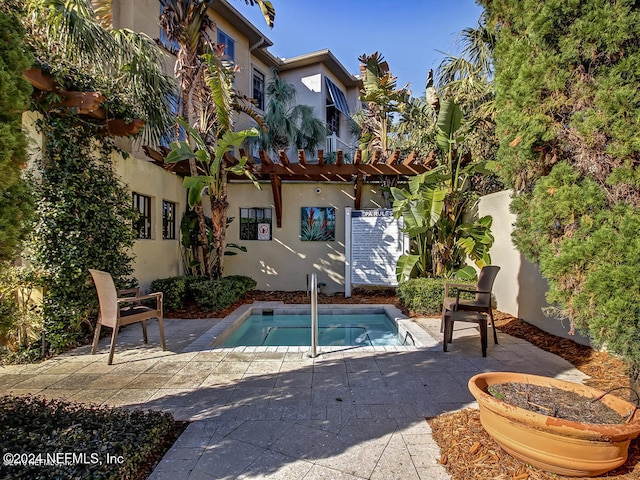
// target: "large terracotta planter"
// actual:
[[553, 444]]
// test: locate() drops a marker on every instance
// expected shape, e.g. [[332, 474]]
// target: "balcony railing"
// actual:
[[334, 144]]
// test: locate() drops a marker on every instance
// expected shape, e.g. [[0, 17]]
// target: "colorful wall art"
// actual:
[[318, 224]]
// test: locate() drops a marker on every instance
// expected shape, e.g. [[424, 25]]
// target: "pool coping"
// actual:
[[224, 328]]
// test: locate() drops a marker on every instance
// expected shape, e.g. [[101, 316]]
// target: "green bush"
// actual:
[[207, 293], [16, 202], [34, 425], [174, 289], [222, 293], [424, 295]]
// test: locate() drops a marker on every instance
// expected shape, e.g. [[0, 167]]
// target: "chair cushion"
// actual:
[[449, 303], [134, 310]]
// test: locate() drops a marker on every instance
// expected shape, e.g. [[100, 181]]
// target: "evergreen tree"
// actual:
[[568, 115], [15, 94]]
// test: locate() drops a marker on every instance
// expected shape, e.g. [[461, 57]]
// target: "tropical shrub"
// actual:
[[221, 293], [435, 206], [567, 120]]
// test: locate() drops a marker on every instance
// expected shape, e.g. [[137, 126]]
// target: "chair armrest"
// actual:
[[126, 291], [469, 290], [139, 298], [454, 285]]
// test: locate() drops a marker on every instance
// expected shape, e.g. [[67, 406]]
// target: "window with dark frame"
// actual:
[[255, 224], [229, 42], [258, 88], [142, 204], [168, 220], [172, 46], [333, 120]]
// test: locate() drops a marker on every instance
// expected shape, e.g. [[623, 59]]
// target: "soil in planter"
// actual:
[[555, 402]]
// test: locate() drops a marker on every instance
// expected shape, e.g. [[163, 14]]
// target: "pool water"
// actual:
[[333, 330]]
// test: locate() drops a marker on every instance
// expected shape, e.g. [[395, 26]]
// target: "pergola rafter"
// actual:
[[283, 170]]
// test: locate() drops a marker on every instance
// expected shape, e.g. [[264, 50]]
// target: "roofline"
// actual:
[[259, 43], [257, 39], [321, 56]]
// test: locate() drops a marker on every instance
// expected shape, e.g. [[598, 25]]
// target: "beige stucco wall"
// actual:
[[155, 257], [284, 262], [137, 15], [519, 287]]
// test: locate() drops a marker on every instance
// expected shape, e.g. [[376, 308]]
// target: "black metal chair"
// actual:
[[470, 310]]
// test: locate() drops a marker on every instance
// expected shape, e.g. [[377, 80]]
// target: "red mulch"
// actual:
[[467, 451]]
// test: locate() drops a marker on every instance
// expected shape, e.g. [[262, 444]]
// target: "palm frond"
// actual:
[[69, 29]]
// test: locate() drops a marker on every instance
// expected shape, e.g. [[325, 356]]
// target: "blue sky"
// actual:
[[409, 34]]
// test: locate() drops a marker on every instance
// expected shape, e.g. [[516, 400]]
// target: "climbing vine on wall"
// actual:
[[84, 220]]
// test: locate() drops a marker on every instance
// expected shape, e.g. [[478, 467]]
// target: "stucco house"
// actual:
[[279, 259], [295, 224]]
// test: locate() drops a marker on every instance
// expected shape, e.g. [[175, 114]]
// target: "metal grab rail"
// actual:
[[314, 315]]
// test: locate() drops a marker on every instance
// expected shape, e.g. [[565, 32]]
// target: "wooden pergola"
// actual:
[[280, 170]]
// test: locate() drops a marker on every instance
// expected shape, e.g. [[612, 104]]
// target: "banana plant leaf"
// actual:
[[404, 267], [448, 124]]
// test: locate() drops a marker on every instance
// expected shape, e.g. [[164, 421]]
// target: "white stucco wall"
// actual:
[[519, 287], [284, 262]]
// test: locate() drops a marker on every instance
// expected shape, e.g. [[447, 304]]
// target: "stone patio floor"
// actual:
[[354, 413]]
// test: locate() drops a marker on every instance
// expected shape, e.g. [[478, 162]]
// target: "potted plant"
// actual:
[[565, 447]]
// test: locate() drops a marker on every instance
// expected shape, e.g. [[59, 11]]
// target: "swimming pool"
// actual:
[[378, 326], [295, 330]]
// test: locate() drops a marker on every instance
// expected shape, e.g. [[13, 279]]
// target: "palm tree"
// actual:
[[186, 23], [468, 79], [67, 34], [288, 123], [382, 100]]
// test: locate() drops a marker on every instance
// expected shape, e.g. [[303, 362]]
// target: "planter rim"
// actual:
[[478, 383]]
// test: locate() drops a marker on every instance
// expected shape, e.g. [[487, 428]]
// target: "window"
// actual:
[[336, 103], [168, 220], [255, 224], [176, 132], [333, 120], [258, 88], [172, 46], [142, 204], [229, 42]]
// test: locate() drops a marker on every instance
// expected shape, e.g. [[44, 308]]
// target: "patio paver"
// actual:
[[276, 413]]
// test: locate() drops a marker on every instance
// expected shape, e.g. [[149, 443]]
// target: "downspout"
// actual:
[[258, 44]]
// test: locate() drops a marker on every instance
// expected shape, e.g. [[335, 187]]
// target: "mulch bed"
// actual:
[[467, 451]]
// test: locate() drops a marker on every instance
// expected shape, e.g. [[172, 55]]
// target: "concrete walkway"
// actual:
[[350, 413]]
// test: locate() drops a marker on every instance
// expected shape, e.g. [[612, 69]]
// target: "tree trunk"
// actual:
[[204, 241], [193, 170], [219, 206]]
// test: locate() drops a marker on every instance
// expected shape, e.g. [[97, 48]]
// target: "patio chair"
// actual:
[[463, 310], [116, 311]]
